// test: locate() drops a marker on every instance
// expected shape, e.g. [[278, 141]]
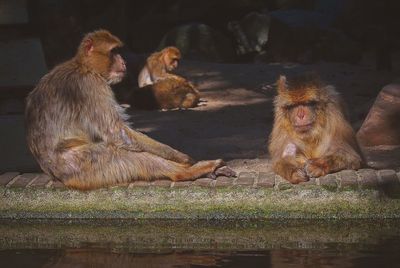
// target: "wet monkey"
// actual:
[[310, 136], [79, 134]]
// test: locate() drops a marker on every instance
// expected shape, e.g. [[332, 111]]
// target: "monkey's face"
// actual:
[[99, 53], [172, 56], [117, 68], [173, 64], [302, 116]]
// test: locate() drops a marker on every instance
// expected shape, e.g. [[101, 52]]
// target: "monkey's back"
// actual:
[[167, 93], [61, 106]]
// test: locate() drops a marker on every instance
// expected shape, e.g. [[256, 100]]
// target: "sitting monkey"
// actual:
[[159, 89], [311, 136], [79, 134]]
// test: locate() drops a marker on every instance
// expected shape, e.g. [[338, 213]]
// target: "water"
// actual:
[[200, 244]]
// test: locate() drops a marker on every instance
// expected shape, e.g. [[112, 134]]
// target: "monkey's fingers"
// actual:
[[299, 176], [316, 168]]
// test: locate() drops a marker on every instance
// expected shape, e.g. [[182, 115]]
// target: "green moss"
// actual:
[[196, 202]]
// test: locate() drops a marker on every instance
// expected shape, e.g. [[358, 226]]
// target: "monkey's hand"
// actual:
[[299, 175], [316, 167]]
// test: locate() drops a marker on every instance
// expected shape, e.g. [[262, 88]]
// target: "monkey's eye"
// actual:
[[312, 103], [289, 106]]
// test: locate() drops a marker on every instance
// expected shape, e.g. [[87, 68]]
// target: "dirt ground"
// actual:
[[235, 122]]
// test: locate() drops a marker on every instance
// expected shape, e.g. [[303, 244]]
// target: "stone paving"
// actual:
[[362, 194], [343, 180]]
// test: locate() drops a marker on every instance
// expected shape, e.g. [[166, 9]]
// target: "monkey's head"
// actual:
[[98, 53], [301, 103], [170, 58]]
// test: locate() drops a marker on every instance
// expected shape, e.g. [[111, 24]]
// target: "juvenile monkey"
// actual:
[[159, 66], [79, 135], [310, 136], [159, 89]]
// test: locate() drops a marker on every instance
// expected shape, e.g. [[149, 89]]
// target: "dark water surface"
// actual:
[[200, 244]]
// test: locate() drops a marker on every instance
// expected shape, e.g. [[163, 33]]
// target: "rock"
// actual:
[[200, 42], [314, 35], [251, 33], [382, 125], [382, 156]]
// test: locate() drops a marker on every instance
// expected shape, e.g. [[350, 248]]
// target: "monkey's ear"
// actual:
[[281, 84], [88, 46]]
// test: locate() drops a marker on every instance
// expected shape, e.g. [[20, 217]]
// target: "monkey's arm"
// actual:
[[144, 78], [340, 157], [342, 154], [157, 148], [288, 162]]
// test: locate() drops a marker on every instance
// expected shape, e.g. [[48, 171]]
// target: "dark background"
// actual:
[[339, 30]]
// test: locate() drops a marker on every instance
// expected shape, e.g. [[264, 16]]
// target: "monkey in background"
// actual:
[[159, 66], [79, 134], [310, 136], [159, 89], [169, 93]]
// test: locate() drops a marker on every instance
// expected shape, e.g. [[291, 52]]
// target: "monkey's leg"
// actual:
[[158, 148], [290, 169], [199, 169], [98, 165]]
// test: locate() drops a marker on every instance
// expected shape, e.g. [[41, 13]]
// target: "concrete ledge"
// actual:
[[30, 196], [343, 180]]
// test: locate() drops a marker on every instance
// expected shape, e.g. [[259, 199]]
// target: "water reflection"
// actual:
[[177, 244]]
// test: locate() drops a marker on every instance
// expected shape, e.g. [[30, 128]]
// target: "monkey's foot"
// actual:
[[225, 171], [316, 167], [219, 164]]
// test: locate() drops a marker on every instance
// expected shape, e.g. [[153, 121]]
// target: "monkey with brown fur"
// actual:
[[159, 89], [169, 93], [310, 136], [159, 66], [79, 135]]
